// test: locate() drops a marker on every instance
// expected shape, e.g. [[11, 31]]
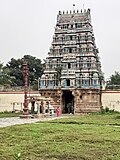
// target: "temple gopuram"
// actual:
[[72, 76]]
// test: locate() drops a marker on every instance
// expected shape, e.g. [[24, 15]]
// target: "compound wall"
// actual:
[[14, 100], [10, 101], [111, 99]]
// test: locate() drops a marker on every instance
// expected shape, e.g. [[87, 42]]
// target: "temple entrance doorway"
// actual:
[[67, 102]]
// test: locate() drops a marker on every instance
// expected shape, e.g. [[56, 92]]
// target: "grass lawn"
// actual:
[[84, 137], [9, 114]]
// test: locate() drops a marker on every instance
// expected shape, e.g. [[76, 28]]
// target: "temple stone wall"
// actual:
[[52, 96], [84, 101]]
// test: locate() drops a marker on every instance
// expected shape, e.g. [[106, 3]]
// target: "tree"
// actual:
[[114, 79], [5, 78], [35, 68], [1, 73]]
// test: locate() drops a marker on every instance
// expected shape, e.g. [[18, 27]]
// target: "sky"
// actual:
[[27, 27]]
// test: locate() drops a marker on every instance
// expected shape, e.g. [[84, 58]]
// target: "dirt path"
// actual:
[[4, 122]]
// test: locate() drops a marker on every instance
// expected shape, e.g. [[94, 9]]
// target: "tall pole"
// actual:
[[25, 74]]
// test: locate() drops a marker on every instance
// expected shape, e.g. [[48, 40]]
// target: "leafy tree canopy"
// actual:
[[35, 68], [114, 79], [5, 78]]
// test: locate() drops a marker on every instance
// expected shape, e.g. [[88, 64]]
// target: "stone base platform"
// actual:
[[27, 116]]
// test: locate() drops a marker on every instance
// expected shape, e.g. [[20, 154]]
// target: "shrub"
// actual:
[[107, 110]]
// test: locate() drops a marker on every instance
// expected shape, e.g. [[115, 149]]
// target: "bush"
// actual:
[[107, 110]]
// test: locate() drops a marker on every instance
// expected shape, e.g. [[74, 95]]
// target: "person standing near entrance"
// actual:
[[32, 106], [68, 107], [58, 111], [71, 108]]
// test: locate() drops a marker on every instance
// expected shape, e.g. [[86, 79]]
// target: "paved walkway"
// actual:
[[4, 122]]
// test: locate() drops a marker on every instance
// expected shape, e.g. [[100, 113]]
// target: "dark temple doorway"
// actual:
[[67, 102]]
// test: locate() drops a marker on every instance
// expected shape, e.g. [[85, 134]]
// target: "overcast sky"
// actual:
[[27, 27]]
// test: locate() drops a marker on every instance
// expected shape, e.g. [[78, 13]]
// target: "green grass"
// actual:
[[85, 137], [95, 118], [9, 114]]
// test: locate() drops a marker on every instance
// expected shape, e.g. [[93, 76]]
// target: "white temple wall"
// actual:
[[10, 101], [111, 99]]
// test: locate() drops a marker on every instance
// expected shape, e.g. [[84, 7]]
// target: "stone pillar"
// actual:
[[61, 104], [38, 108], [74, 94], [25, 71], [44, 107]]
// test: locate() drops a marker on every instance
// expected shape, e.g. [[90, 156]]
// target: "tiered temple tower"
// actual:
[[73, 71]]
